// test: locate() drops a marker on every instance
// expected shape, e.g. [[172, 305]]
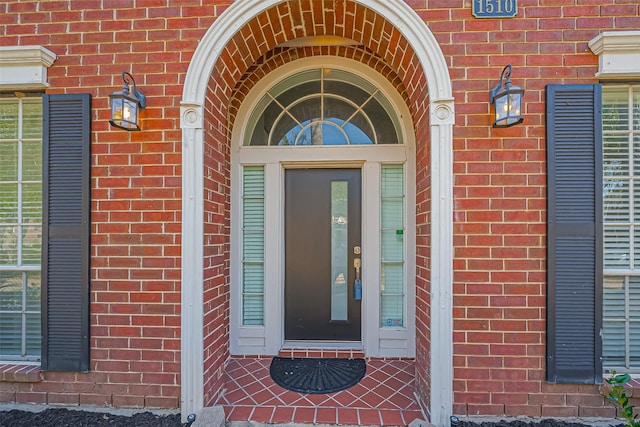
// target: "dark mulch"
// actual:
[[546, 422], [61, 417]]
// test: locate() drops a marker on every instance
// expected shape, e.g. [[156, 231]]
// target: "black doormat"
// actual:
[[316, 375]]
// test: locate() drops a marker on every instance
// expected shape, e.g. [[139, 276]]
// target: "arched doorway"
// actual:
[[230, 47], [302, 127]]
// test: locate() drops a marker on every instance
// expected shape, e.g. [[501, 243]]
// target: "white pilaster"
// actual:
[[441, 262], [191, 344]]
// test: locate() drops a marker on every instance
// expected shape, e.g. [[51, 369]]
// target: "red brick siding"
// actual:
[[217, 215], [423, 264], [499, 195], [279, 56], [136, 189]]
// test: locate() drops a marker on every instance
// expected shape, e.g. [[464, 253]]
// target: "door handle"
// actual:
[[357, 285]]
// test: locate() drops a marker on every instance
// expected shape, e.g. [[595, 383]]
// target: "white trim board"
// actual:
[[618, 54], [25, 67], [441, 107]]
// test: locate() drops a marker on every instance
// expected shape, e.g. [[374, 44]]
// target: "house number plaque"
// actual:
[[494, 8]]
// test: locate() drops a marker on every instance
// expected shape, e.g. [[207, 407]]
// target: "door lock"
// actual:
[[357, 285]]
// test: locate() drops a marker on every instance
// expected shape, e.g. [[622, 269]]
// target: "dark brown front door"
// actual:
[[322, 240]]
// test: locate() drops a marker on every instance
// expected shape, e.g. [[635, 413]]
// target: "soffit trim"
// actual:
[[25, 67], [618, 54]]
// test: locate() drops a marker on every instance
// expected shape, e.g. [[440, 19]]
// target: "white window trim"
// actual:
[[618, 59], [268, 340], [624, 274], [25, 67], [618, 54], [19, 267]]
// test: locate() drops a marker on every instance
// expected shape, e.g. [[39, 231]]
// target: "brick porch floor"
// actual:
[[385, 396]]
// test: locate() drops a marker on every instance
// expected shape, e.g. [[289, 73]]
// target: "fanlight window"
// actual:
[[323, 107]]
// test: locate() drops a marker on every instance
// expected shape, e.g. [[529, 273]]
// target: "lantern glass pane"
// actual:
[[124, 111], [116, 109], [515, 101], [508, 108], [130, 112], [501, 108]]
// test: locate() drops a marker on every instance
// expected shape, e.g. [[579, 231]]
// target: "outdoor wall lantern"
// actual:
[[126, 105], [506, 100]]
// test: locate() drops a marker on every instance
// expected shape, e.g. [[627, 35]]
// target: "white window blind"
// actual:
[[392, 280], [621, 196], [20, 227], [253, 246]]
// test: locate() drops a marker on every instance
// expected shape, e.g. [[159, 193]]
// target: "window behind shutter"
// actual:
[[574, 233], [66, 231]]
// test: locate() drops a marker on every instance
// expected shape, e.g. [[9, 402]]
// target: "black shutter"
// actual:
[[66, 231], [574, 234]]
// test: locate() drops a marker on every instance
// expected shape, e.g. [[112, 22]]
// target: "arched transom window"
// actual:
[[323, 106]]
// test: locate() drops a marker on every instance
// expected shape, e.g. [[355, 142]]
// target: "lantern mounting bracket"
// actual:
[[128, 81]]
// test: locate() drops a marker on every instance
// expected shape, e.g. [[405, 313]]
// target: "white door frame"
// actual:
[[441, 107], [269, 339]]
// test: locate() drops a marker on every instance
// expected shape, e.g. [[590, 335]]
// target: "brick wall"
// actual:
[[423, 264], [136, 188], [500, 196], [217, 209], [499, 200]]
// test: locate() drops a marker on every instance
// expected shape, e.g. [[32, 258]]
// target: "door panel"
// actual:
[[319, 240]]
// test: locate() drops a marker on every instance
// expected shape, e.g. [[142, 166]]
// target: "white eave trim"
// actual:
[[618, 54], [25, 67]]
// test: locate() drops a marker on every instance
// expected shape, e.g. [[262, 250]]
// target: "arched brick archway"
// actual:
[[385, 34], [277, 57]]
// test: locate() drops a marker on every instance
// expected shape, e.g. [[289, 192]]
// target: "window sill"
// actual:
[[16, 373]]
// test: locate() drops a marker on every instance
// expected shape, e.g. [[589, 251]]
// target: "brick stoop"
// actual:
[[323, 353], [385, 396], [20, 373]]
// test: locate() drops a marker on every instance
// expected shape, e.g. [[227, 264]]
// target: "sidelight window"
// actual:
[[392, 242], [253, 246]]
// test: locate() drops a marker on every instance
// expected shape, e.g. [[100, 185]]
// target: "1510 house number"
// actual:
[[495, 8]]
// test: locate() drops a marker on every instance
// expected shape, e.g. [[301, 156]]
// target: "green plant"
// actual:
[[618, 397]]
